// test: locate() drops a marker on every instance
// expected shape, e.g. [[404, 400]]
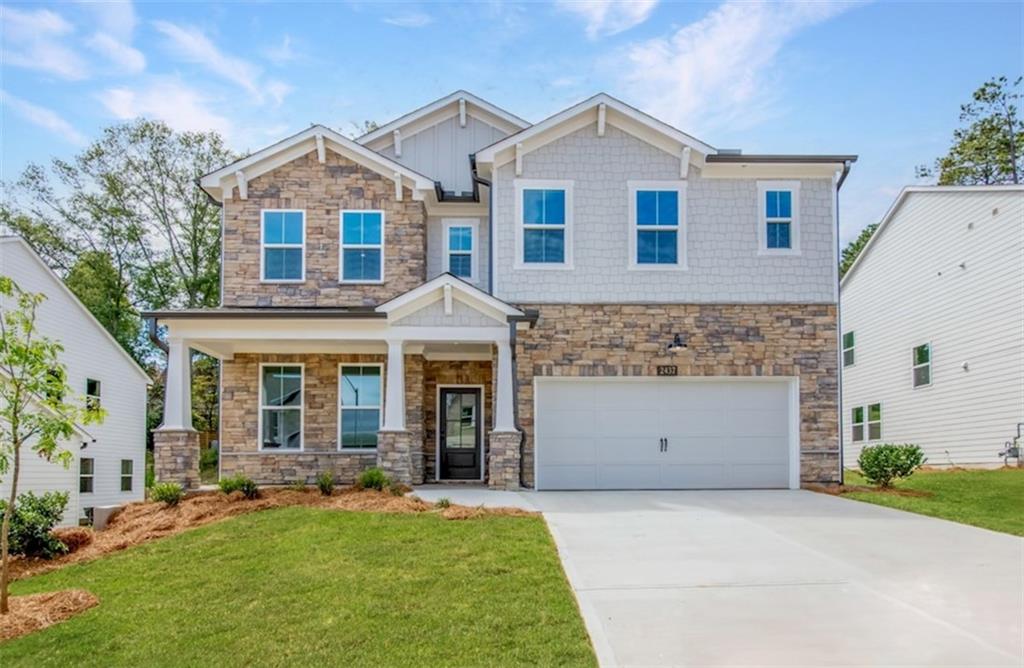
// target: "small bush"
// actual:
[[443, 502], [298, 486], [373, 479], [32, 523], [325, 483], [240, 483], [882, 464], [170, 493]]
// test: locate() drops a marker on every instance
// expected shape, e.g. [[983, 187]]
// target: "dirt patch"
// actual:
[[35, 612], [145, 521], [839, 490]]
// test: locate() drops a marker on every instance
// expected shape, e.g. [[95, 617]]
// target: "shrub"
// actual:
[[373, 479], [882, 464], [443, 502], [170, 493], [298, 486], [33, 520], [325, 483], [240, 483]]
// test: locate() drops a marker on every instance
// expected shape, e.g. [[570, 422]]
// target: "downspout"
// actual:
[[839, 326]]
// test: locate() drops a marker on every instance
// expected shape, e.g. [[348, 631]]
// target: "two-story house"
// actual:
[[595, 301]]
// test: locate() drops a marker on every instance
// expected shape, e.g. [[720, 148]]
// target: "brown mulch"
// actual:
[[839, 490], [146, 520], [35, 612]]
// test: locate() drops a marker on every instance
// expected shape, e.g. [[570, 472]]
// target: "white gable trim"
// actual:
[[221, 181], [71, 295], [436, 289]]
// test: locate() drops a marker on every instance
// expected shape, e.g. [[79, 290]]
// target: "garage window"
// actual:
[[857, 420]]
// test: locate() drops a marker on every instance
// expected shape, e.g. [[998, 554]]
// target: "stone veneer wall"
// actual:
[[723, 339], [322, 191], [176, 457], [453, 373]]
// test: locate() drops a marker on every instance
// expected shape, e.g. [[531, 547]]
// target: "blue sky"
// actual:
[[883, 80]]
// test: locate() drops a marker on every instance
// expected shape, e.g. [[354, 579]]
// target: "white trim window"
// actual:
[[360, 399], [778, 206], [127, 474], [461, 240], [848, 349], [281, 409], [874, 422], [657, 235], [86, 475], [544, 233], [93, 391], [922, 365], [362, 246], [282, 245]]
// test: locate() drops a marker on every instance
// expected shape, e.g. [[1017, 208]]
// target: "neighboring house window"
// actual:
[[656, 214], [86, 474], [848, 356], [281, 406], [874, 422], [923, 365], [284, 247], [779, 224], [360, 398], [127, 471], [460, 241], [55, 379], [545, 216], [858, 423], [362, 246], [92, 393]]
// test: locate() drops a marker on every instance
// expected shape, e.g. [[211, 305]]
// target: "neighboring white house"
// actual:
[[933, 326], [109, 458]]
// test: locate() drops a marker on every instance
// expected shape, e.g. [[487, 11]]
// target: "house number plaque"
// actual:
[[668, 370]]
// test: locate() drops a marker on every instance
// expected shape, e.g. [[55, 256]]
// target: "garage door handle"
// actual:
[[666, 445], [661, 445]]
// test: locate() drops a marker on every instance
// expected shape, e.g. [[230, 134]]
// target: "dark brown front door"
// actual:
[[459, 427]]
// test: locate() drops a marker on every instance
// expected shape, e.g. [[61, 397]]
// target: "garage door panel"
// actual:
[[567, 423], [692, 422], [694, 476], [634, 450], [622, 423], [757, 476], [574, 396], [575, 450], [756, 449], [746, 422], [629, 476]]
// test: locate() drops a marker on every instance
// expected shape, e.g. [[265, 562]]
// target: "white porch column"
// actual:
[[394, 397], [504, 416], [178, 386]]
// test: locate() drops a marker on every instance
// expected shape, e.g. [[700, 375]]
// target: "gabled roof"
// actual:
[[898, 203], [435, 289], [444, 108], [615, 111], [311, 139]]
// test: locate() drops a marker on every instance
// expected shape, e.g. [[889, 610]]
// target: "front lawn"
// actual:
[[308, 586], [992, 499]]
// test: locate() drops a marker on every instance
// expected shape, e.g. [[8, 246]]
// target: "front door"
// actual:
[[459, 428]]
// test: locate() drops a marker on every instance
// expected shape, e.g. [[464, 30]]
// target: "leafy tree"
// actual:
[[106, 293], [360, 129], [34, 412], [988, 148], [853, 249]]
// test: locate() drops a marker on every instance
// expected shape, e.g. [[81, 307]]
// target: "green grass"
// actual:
[[992, 499], [301, 586]]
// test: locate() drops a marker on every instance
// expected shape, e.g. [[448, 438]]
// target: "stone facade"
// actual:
[[322, 191], [176, 457], [723, 340], [504, 460], [453, 373], [394, 455]]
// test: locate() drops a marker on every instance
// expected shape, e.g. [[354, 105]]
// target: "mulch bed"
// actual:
[[839, 490], [35, 612]]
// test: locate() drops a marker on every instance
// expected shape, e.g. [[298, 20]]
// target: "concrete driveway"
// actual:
[[785, 578]]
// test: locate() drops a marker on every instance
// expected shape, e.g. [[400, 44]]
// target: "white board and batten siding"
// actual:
[[945, 268], [89, 352]]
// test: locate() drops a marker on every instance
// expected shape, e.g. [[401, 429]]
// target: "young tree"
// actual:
[[989, 149], [853, 249], [34, 409]]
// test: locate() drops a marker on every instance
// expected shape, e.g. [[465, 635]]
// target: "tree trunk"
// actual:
[[6, 529]]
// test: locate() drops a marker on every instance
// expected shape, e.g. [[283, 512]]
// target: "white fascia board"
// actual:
[[769, 170], [433, 290]]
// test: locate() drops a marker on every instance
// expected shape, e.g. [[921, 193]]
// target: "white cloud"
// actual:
[[609, 17], [191, 45], [412, 19], [115, 18], [36, 40], [283, 53], [717, 71], [43, 117], [168, 100], [125, 57]]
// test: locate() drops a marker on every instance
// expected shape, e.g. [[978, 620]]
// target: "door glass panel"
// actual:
[[460, 420]]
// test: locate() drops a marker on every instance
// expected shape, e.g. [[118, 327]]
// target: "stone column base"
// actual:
[[176, 456], [503, 461], [394, 455]]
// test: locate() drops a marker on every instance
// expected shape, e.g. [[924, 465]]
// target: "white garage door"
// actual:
[[662, 434]]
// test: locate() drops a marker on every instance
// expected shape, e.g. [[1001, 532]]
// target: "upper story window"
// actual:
[[656, 218], [360, 406], [778, 217], [362, 246], [460, 242], [545, 215], [92, 393], [848, 352], [284, 245], [923, 365], [281, 406]]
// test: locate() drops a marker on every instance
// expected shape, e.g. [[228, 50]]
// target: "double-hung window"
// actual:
[[283, 237], [281, 406], [362, 246], [656, 216], [86, 474], [359, 407], [848, 353], [546, 219], [92, 394], [460, 242], [874, 422], [127, 472], [922, 365], [779, 223]]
